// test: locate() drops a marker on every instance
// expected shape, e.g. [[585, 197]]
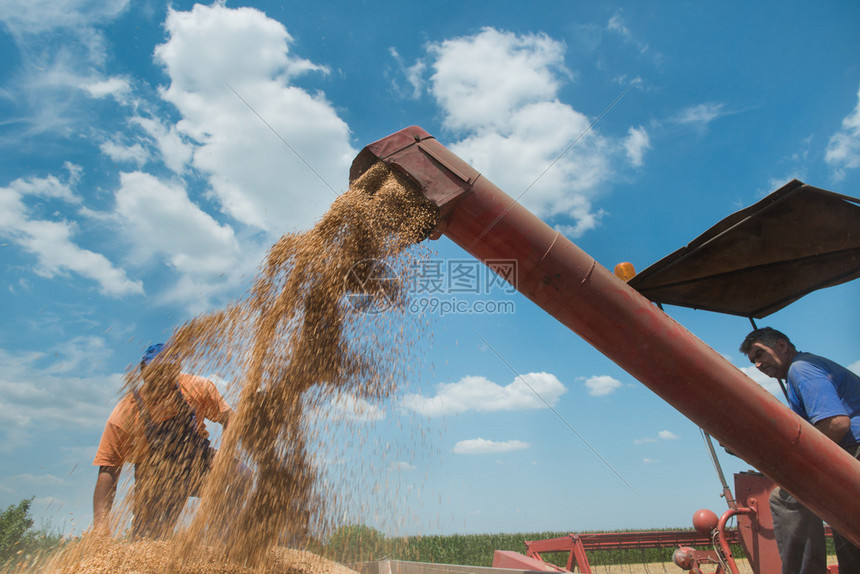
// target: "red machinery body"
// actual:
[[627, 328], [756, 529]]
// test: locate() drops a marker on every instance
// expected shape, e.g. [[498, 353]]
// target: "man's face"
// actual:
[[160, 379], [773, 361]]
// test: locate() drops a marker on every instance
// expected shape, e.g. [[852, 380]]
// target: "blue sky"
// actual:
[[150, 153]]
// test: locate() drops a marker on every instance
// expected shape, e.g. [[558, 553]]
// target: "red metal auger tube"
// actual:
[[626, 327]]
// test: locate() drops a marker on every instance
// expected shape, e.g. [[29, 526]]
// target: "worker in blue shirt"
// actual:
[[828, 396]]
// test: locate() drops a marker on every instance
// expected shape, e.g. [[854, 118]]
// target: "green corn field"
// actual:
[[359, 543]]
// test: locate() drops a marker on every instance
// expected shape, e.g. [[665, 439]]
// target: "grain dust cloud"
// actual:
[[322, 321]]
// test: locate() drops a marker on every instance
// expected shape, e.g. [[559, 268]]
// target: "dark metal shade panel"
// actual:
[[794, 241]]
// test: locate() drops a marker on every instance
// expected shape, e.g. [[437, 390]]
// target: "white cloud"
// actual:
[[662, 435], [484, 446], [617, 24], [62, 48], [414, 75], [767, 383], [148, 138], [854, 367], [160, 221], [348, 407], [481, 80], [701, 115], [56, 388], [52, 241], [636, 144], [843, 149], [499, 92], [214, 53], [118, 88], [175, 152], [402, 466], [480, 394], [134, 153], [37, 16], [32, 480], [601, 385]]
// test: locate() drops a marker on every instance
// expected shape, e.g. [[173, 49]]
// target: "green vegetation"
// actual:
[[18, 540], [359, 543]]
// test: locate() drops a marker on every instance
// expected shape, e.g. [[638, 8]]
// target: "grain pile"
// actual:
[[109, 556], [301, 337]]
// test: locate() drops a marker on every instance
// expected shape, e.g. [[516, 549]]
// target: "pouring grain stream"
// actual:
[[297, 340]]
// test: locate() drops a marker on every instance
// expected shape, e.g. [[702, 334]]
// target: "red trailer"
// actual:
[[621, 320]]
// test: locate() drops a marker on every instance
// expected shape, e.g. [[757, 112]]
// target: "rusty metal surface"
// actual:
[[626, 540], [626, 327], [404, 567], [417, 155], [511, 559], [756, 531], [756, 261]]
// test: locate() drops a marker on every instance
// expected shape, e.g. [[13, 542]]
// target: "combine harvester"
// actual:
[[729, 269]]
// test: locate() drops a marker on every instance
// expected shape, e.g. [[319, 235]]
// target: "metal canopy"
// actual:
[[794, 241]]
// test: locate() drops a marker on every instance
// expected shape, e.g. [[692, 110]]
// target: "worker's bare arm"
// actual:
[[834, 427], [103, 496]]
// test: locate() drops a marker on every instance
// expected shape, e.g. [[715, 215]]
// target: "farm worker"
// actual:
[[827, 395], [158, 426]]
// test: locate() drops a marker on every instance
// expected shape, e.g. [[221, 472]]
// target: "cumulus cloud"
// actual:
[[667, 435], [175, 152], [498, 92], [602, 385], [52, 241], [636, 143], [160, 221], [854, 367], [231, 74], [234, 99], [125, 153], [484, 446], [481, 80], [475, 393], [843, 149]]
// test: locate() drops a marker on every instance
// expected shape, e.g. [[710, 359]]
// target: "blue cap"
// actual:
[[151, 352]]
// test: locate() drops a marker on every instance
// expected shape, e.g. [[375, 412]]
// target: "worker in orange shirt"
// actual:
[[159, 427]]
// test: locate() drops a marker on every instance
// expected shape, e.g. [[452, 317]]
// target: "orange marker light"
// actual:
[[625, 271]]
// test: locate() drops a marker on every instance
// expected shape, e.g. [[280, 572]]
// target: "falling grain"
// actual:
[[312, 328]]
